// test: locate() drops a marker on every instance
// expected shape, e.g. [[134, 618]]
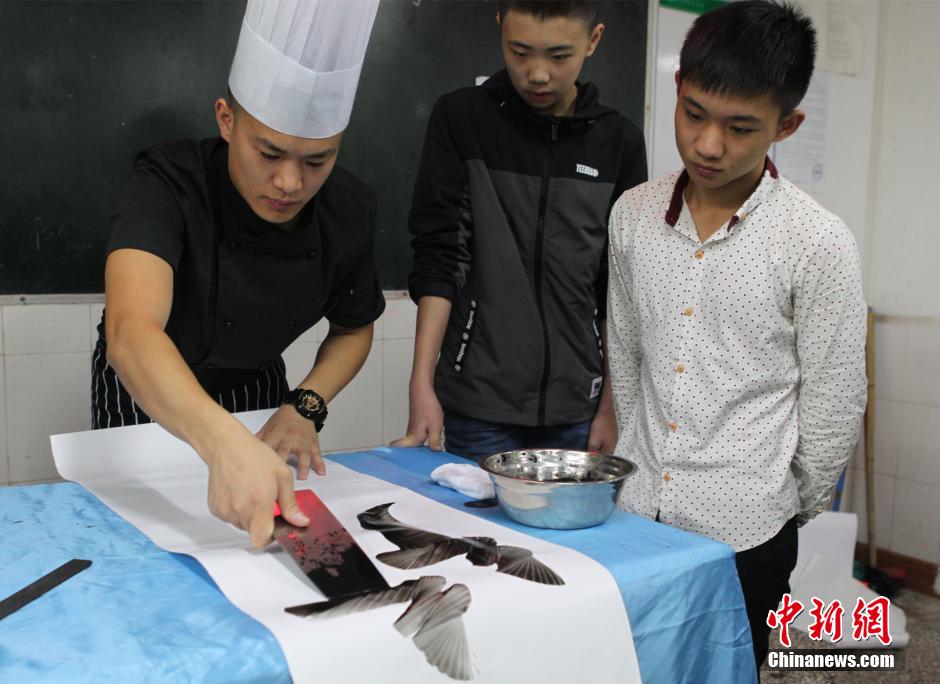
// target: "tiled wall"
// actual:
[[44, 378], [902, 284], [906, 401], [45, 382]]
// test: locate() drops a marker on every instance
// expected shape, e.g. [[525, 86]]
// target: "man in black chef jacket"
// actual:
[[223, 251]]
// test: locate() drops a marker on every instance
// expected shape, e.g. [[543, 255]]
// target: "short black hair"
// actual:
[[585, 10], [750, 48]]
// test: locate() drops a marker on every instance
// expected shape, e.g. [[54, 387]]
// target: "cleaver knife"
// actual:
[[326, 552]]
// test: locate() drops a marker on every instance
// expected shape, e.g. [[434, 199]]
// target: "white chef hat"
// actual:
[[297, 63]]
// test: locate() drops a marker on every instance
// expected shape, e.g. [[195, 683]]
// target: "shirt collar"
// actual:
[[675, 204]]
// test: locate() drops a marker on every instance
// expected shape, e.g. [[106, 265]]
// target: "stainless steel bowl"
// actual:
[[557, 488]]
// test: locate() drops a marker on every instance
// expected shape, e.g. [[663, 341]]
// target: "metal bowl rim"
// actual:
[[494, 474]]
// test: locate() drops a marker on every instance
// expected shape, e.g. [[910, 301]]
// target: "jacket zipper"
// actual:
[[539, 247]]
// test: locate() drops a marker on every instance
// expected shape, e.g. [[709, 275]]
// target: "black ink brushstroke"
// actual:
[[433, 620], [419, 548]]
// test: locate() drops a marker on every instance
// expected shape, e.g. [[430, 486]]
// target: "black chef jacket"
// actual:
[[243, 288]]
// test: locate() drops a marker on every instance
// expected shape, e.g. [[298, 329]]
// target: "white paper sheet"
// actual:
[[832, 536], [824, 570], [517, 630]]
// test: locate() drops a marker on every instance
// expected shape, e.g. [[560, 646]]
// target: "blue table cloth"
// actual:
[[142, 614]]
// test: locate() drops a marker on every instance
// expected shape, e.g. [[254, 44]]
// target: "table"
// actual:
[[142, 614]]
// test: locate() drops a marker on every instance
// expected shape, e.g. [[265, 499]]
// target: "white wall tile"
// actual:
[[922, 367], [885, 488], [904, 242], [51, 388], [4, 461], [916, 520], [299, 358], [920, 445], [849, 487], [94, 319], [47, 394], [318, 332], [1, 328], [378, 332], [355, 418], [397, 372], [321, 329], [46, 329], [887, 436], [890, 356], [312, 334], [400, 315]]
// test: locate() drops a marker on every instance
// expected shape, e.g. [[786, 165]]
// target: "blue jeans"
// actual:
[[476, 439]]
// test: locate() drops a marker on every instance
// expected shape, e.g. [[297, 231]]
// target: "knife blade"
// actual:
[[325, 551]]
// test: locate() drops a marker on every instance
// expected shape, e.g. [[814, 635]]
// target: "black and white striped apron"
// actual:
[[234, 390]]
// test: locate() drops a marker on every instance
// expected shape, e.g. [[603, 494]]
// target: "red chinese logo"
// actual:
[[871, 619], [828, 621], [868, 619], [783, 617]]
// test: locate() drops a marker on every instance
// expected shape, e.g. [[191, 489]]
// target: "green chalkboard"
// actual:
[[85, 85]]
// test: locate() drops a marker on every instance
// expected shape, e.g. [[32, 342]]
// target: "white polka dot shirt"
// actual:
[[737, 364]]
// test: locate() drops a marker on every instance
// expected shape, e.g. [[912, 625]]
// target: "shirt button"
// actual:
[[233, 246], [687, 311], [457, 367], [293, 323], [228, 324], [673, 426], [312, 254], [667, 477], [680, 368], [699, 254]]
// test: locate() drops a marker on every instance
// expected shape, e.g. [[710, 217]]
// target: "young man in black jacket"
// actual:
[[509, 225]]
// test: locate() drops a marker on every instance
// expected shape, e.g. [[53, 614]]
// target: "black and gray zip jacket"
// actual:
[[509, 222]]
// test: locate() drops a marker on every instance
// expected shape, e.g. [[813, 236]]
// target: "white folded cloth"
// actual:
[[467, 479]]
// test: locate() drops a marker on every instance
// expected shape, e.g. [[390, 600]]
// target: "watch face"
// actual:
[[310, 401]]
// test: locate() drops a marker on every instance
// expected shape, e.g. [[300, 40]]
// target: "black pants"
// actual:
[[764, 572], [476, 439]]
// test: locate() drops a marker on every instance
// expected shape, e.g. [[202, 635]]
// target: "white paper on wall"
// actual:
[[801, 157], [838, 35]]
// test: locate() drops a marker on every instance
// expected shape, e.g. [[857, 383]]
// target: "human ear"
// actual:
[[595, 39], [225, 118], [789, 124]]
